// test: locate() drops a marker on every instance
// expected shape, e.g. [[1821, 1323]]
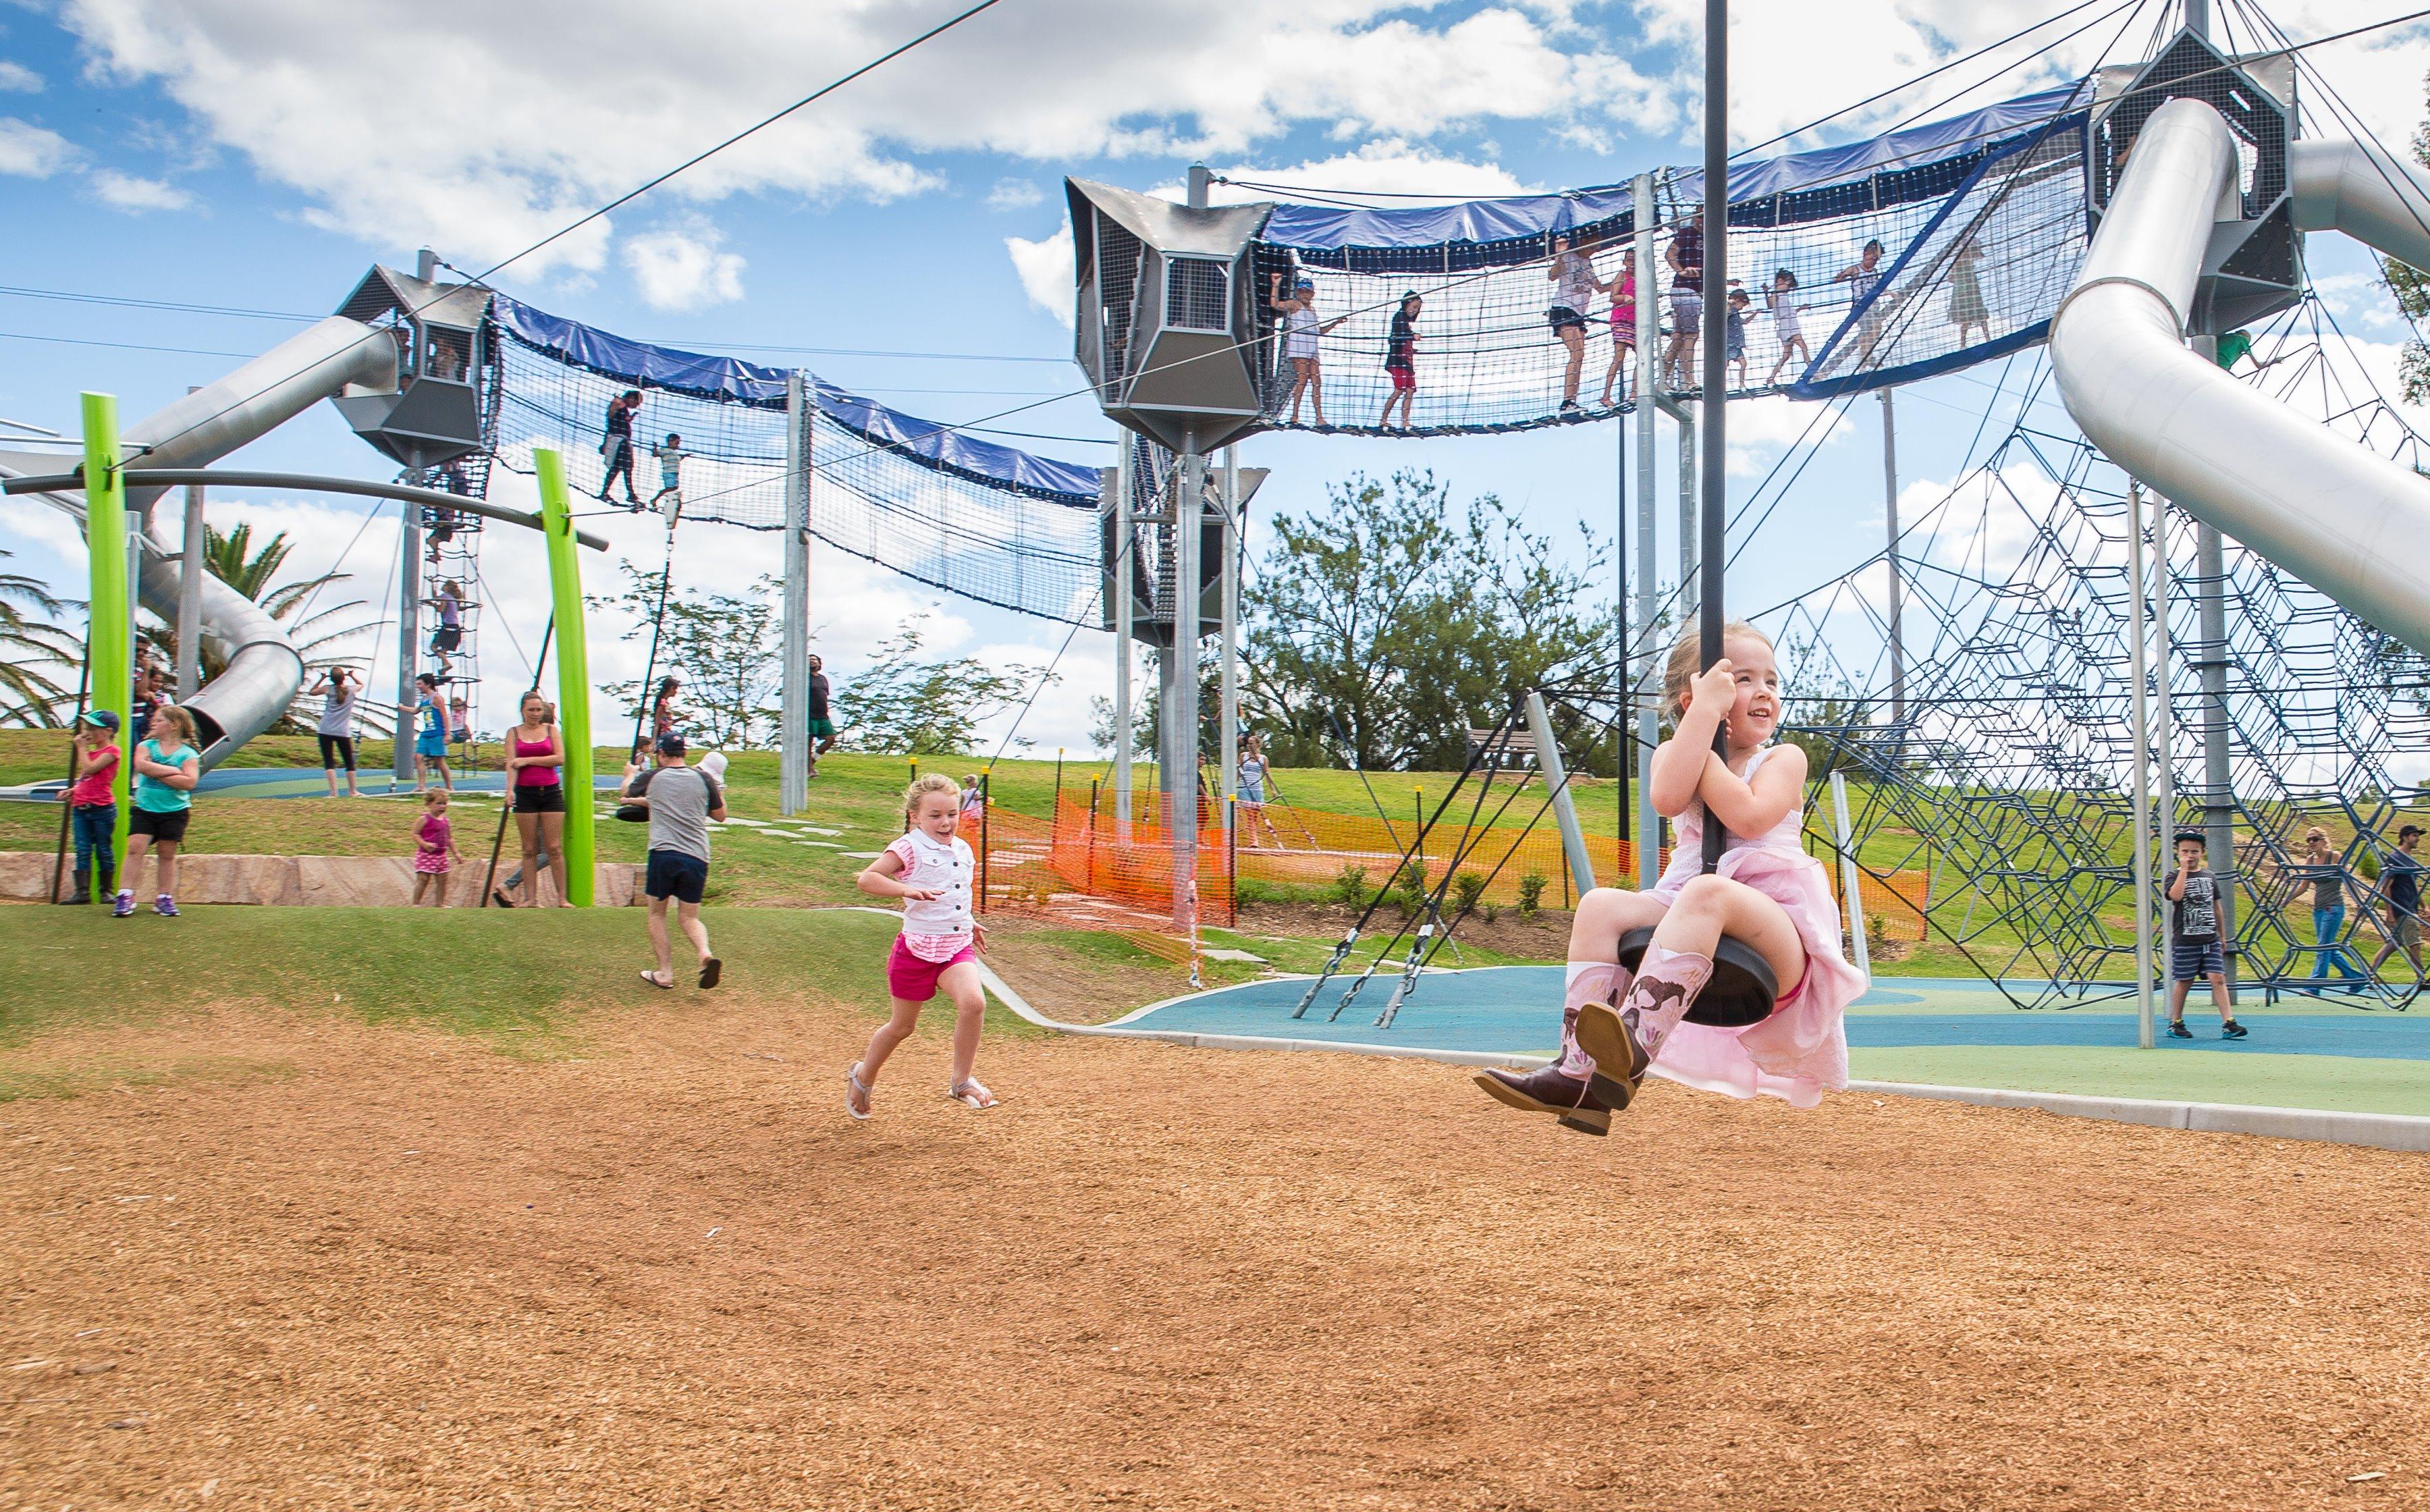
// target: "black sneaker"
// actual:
[[2177, 1030], [2231, 1030]]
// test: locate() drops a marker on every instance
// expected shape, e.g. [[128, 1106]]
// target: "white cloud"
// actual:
[[125, 191], [1014, 194], [18, 79], [28, 150], [1045, 270], [679, 267], [1389, 166], [569, 117]]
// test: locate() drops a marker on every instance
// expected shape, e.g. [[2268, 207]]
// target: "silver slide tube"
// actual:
[[263, 670], [2355, 525], [2358, 187]]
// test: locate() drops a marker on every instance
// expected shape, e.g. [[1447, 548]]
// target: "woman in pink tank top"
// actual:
[[536, 757]]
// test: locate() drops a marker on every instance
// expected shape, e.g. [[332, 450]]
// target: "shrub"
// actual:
[[1466, 889], [1350, 887], [1531, 893], [1410, 888], [1492, 912]]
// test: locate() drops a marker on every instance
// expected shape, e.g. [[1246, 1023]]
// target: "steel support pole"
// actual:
[[1890, 514], [1126, 661], [2164, 798], [2210, 661], [793, 741], [1565, 812], [1692, 588], [189, 591], [1851, 874], [1711, 550], [409, 635], [2142, 733], [1180, 708], [1228, 720], [1649, 688]]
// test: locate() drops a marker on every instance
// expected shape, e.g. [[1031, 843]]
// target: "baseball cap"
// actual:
[[2409, 829], [104, 719], [671, 744]]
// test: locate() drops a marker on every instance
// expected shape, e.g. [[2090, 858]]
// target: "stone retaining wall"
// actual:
[[350, 881]]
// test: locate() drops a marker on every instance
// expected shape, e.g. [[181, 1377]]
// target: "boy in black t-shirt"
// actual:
[[2193, 930], [2400, 880], [1401, 360]]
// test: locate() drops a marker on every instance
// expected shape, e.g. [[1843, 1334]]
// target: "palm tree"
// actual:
[[319, 633], [30, 644]]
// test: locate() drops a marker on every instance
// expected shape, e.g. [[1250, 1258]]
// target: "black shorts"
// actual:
[[1562, 317], [447, 638], [537, 799], [170, 826], [335, 746], [675, 875]]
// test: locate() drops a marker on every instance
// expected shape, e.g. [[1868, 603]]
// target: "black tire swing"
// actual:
[[1743, 988]]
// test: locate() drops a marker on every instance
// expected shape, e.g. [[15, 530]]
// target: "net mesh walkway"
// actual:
[[987, 521]]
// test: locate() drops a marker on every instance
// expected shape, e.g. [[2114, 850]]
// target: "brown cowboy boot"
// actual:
[[1623, 1041], [1562, 1089]]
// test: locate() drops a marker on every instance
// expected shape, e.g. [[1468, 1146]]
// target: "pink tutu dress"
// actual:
[[1800, 1050]]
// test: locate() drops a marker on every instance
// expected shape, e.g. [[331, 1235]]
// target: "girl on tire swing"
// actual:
[[1766, 893]]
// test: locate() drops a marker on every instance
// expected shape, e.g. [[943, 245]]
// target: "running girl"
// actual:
[[167, 766], [1767, 892], [535, 758], [434, 842], [930, 870], [1300, 329], [1623, 329], [1785, 324]]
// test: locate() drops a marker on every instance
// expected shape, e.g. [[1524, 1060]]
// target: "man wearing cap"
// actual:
[[2400, 878], [93, 807], [681, 800]]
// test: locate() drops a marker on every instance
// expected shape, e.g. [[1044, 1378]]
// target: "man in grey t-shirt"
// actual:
[[681, 799]]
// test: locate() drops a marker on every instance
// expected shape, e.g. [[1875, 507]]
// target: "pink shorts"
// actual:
[[913, 980]]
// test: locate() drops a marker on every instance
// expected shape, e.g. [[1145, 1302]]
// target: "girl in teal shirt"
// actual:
[[167, 766]]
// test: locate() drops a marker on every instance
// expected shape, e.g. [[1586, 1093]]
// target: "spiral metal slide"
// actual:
[[262, 669], [2353, 524]]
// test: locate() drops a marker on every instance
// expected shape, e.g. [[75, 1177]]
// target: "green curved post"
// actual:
[[573, 676], [109, 638]]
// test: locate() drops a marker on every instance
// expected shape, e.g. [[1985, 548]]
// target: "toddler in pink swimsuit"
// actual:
[[1767, 892]]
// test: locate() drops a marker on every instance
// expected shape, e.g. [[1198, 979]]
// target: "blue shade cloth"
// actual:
[[732, 380], [1917, 163]]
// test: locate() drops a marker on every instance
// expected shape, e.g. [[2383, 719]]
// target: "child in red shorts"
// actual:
[[930, 869]]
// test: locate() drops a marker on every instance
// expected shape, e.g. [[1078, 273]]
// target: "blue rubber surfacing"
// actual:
[[1516, 1010]]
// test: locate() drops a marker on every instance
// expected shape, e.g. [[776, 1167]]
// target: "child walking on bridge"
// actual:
[[930, 870]]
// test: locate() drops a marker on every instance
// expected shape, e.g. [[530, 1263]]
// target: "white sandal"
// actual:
[[854, 1083], [970, 1093]]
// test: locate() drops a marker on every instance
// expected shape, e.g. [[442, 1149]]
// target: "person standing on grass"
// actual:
[[681, 800], [823, 728], [930, 868], [434, 842], [167, 766], [93, 807], [2400, 880], [1249, 780], [535, 776], [2194, 950], [662, 709], [338, 690], [2327, 876]]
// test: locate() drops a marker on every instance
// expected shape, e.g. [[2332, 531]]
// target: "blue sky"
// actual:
[[259, 155]]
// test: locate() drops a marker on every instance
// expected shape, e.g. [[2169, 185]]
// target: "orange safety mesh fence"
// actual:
[[1083, 869]]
